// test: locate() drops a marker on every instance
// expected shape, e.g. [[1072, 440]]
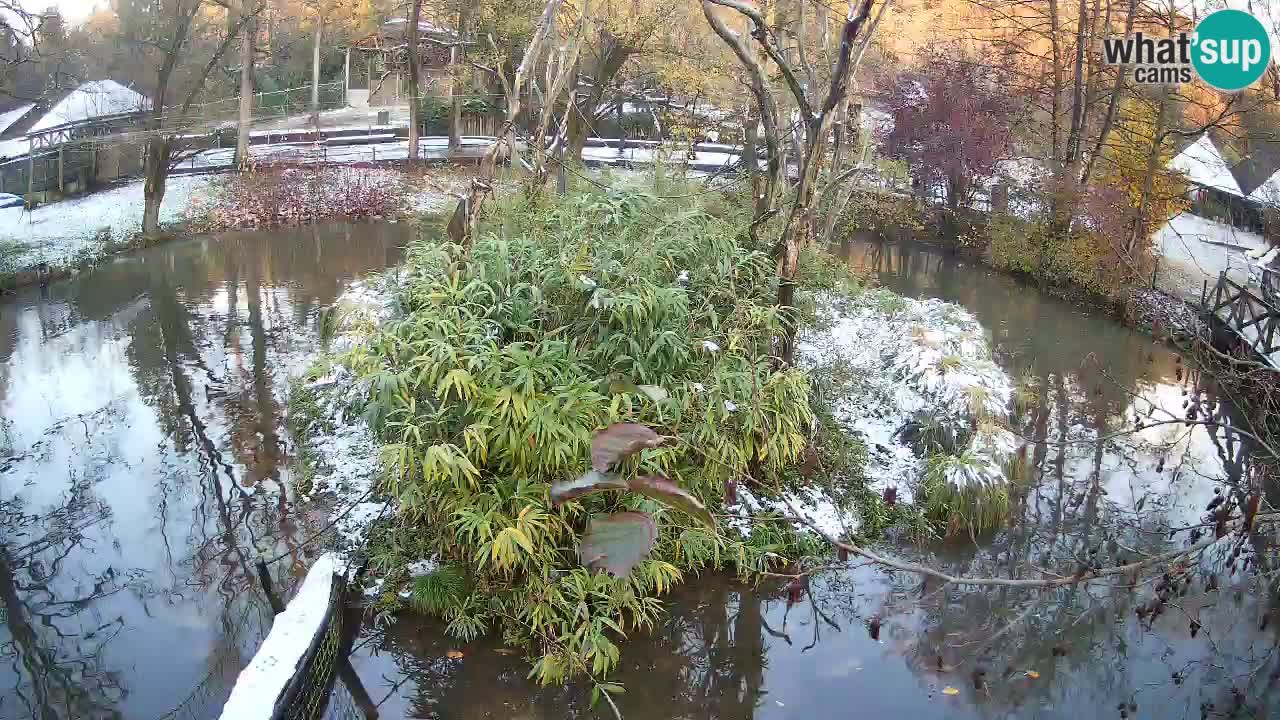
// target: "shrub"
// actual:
[[885, 213], [270, 196], [565, 317]]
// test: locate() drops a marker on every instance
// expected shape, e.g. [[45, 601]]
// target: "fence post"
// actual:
[[61, 164], [31, 175]]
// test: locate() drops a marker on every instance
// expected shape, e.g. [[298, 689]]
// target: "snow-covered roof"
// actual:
[[16, 147], [1268, 193], [91, 100], [1203, 165], [13, 116]]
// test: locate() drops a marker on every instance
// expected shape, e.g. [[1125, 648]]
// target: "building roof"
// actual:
[[99, 98], [9, 118], [1204, 166]]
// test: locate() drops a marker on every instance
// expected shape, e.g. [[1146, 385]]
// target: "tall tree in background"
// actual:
[[183, 41], [315, 71], [247, 55], [414, 51], [817, 116]]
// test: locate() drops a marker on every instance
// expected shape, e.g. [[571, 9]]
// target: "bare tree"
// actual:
[[816, 121], [415, 69]]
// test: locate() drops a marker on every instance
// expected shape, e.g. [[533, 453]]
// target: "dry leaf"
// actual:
[[948, 690], [1033, 674], [454, 654]]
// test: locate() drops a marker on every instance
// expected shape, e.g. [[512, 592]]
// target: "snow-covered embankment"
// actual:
[[905, 368]]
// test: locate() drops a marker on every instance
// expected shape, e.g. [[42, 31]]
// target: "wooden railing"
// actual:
[[1253, 316]]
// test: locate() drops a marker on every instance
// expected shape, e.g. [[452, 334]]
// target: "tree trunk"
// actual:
[[415, 103], [156, 175], [750, 159], [456, 56], [246, 88], [466, 215], [315, 76], [1138, 231]]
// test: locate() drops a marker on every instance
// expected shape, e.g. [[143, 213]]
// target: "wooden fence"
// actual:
[[1254, 317]]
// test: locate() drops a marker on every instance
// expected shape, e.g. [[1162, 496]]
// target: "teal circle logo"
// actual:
[[1231, 50]]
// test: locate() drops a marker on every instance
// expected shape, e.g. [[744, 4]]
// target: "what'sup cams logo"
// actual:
[[1229, 50]]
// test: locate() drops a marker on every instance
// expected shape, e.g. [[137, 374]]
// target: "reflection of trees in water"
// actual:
[[55, 655], [205, 370], [1094, 377], [706, 660]]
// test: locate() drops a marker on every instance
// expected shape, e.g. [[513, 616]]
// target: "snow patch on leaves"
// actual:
[[907, 359]]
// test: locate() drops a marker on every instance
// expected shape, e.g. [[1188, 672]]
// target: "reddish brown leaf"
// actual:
[[619, 441], [668, 493]]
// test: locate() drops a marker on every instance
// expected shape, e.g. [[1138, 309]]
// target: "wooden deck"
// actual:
[[1252, 314]]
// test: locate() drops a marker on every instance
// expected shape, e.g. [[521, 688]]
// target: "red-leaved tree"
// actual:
[[951, 123]]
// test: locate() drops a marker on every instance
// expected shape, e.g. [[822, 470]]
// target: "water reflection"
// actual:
[[143, 458], [864, 642]]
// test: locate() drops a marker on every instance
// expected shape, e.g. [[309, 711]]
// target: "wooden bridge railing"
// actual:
[[1253, 316]]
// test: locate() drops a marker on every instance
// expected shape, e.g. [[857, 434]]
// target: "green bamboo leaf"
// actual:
[[654, 392], [661, 488], [592, 481], [617, 543], [619, 441]]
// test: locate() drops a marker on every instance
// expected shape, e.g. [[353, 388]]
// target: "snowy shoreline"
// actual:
[[73, 234]]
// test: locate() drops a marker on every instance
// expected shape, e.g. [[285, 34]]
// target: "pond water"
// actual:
[[143, 458]]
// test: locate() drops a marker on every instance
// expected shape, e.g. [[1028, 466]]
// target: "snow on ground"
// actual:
[[812, 504], [1195, 250], [292, 631], [64, 232], [67, 232], [901, 363], [348, 459], [432, 148], [920, 361]]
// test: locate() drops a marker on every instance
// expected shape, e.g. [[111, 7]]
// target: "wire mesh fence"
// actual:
[[274, 105]]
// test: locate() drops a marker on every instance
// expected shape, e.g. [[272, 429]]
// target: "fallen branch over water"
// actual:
[[1047, 582]]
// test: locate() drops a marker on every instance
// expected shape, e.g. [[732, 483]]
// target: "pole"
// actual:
[[315, 75], [264, 577]]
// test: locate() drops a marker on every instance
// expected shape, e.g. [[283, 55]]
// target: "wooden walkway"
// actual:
[[1252, 314]]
